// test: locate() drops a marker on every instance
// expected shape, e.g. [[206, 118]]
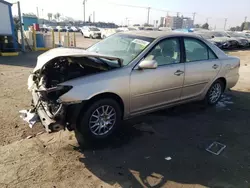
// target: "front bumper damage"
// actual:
[[50, 124], [48, 84], [65, 118]]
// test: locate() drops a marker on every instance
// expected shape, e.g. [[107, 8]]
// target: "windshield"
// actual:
[[218, 34], [123, 46], [93, 29]]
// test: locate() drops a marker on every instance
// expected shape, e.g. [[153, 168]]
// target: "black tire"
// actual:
[[91, 37], [84, 120], [209, 99]]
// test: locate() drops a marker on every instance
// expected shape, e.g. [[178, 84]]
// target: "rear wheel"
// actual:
[[100, 120], [214, 93]]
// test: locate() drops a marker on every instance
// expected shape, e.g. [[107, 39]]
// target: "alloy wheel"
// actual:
[[102, 120], [215, 93]]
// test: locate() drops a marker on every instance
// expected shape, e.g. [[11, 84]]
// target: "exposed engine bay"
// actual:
[[63, 69], [46, 84]]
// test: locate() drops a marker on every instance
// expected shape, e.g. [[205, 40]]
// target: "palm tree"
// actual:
[[55, 16], [49, 16], [58, 16]]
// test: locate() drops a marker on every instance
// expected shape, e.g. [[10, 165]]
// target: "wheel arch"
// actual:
[[223, 80], [99, 96]]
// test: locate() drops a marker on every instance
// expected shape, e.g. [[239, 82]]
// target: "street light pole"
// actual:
[[225, 24], [148, 15], [21, 25], [84, 4], [245, 23], [194, 16]]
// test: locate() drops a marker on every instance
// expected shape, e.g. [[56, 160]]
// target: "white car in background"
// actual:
[[165, 29], [61, 29], [122, 29], [74, 28], [91, 32], [107, 32]]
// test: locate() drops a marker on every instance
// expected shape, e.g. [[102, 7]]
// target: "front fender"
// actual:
[[116, 82]]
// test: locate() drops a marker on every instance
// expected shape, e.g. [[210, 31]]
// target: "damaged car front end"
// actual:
[[46, 83]]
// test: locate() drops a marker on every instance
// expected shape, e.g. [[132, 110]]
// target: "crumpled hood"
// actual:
[[44, 58]]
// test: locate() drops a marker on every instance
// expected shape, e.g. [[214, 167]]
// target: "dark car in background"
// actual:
[[52, 28], [68, 29], [218, 41], [221, 37], [244, 41]]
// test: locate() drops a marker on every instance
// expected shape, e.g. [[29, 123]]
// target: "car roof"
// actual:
[[158, 34]]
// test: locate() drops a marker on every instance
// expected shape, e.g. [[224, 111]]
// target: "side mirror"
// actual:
[[148, 64]]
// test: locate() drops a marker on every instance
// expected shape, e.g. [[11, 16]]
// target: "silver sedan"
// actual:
[[125, 75]]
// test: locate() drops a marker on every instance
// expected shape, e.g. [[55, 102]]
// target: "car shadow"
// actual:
[[28, 59], [168, 148]]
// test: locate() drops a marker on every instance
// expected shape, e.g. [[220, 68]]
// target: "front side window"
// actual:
[[195, 50], [124, 46], [166, 52]]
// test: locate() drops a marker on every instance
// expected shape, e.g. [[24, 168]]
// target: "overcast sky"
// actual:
[[107, 10]]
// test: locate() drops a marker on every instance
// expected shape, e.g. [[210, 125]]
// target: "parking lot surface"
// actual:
[[163, 149]]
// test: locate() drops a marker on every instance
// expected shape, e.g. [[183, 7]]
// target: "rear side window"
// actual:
[[197, 50]]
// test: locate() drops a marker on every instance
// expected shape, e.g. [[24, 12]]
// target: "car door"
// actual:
[[153, 88], [201, 67]]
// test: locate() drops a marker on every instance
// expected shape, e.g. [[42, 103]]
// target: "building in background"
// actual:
[[178, 22], [162, 22], [187, 23], [175, 22], [29, 20]]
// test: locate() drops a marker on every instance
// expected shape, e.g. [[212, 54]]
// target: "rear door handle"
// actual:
[[215, 66], [178, 72]]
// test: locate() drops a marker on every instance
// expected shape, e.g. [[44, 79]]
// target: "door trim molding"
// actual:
[[162, 106], [154, 92], [190, 85]]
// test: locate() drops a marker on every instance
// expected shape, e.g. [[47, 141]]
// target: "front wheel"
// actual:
[[214, 93], [100, 120]]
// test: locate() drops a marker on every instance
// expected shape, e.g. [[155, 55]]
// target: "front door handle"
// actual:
[[215, 66], [178, 72]]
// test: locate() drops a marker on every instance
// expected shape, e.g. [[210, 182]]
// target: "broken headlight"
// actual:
[[54, 93]]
